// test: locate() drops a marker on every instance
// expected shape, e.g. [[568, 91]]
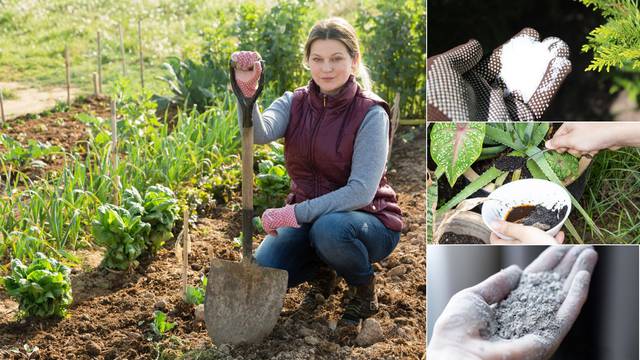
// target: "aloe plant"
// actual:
[[456, 146]]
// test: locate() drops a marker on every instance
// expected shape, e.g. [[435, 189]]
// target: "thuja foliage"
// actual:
[[617, 42]]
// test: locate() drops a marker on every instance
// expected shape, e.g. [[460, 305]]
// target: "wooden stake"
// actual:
[[67, 67], [95, 84], [124, 63], [114, 154], [185, 251], [394, 122], [141, 57], [99, 65], [2, 109]]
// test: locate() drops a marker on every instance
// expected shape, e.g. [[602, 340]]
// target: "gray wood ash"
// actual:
[[530, 308]]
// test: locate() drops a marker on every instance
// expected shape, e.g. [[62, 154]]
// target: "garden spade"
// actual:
[[243, 300]]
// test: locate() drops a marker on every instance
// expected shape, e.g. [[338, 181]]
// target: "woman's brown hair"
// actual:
[[336, 28]]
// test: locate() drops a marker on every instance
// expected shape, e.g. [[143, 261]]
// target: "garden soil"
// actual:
[[112, 312], [58, 129]]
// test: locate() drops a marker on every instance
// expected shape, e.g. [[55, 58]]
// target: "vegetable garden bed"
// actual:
[[112, 313]]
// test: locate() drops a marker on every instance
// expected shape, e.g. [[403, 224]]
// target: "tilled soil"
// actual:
[[112, 312], [59, 129]]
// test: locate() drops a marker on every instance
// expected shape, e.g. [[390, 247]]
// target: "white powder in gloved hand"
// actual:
[[524, 63]]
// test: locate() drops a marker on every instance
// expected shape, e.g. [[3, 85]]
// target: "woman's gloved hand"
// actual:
[[458, 331], [247, 71], [464, 86], [273, 219]]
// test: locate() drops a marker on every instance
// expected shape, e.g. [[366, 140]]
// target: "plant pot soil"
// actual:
[[453, 238], [510, 163]]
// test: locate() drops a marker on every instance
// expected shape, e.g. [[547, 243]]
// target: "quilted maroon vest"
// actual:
[[319, 145]]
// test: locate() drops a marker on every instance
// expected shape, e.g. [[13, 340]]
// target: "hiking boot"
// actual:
[[321, 288], [363, 305]]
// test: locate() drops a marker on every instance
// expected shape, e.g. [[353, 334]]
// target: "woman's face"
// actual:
[[330, 65]]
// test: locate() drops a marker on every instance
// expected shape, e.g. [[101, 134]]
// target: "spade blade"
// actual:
[[243, 301]]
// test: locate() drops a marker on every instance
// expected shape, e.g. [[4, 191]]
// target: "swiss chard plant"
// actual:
[[160, 212], [122, 233], [456, 146], [42, 288]]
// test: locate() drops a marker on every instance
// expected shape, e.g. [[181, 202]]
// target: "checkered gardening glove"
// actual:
[[248, 70], [515, 82], [273, 219]]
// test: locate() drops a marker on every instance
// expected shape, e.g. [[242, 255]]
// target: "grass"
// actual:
[[8, 94], [33, 35], [612, 196]]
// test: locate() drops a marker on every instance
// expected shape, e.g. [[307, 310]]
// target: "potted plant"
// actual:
[[473, 159]]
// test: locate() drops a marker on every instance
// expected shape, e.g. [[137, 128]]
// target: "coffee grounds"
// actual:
[[544, 218], [530, 308], [510, 163], [453, 238]]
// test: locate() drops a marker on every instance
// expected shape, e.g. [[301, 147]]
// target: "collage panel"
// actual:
[[547, 60], [532, 302], [537, 182], [228, 179]]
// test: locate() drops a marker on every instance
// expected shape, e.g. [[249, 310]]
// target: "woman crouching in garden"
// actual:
[[341, 214]]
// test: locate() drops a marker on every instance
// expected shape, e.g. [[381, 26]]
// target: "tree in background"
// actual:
[[393, 34]]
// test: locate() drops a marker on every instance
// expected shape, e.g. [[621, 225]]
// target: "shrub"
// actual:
[[278, 35], [616, 43], [393, 35]]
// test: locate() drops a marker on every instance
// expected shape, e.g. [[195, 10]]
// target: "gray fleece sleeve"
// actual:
[[367, 165], [272, 123]]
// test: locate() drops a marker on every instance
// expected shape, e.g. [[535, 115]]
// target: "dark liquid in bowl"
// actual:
[[518, 213]]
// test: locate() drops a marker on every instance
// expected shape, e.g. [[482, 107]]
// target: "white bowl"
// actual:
[[525, 192]]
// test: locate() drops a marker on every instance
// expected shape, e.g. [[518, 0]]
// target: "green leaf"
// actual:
[[455, 146], [551, 176], [476, 185]]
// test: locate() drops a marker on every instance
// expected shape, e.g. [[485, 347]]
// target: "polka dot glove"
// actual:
[[462, 85], [248, 70], [273, 219]]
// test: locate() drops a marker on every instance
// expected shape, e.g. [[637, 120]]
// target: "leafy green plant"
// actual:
[[393, 35], [160, 212], [454, 147], [18, 155], [191, 84], [42, 288], [272, 180], [160, 325], [195, 294], [122, 233]]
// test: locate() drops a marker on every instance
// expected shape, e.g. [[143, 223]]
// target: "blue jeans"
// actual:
[[347, 242]]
